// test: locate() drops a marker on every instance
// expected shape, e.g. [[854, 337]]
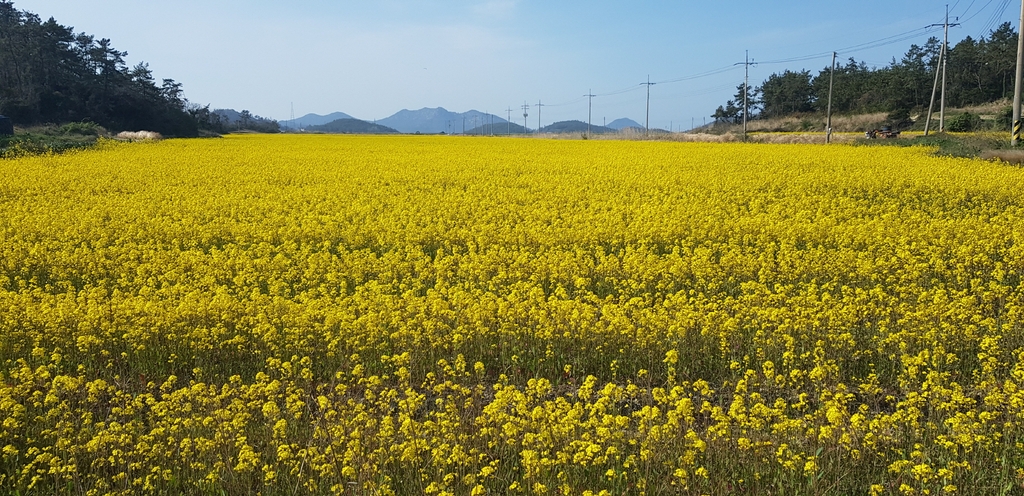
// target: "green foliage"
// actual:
[[899, 119], [84, 128], [787, 93], [979, 71], [1004, 119], [971, 145], [50, 74], [964, 122], [43, 142]]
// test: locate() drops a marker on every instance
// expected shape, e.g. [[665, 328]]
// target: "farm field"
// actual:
[[436, 315]]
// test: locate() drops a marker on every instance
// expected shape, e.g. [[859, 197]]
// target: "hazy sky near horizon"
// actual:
[[373, 58]]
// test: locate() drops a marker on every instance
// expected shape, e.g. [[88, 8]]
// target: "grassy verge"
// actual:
[[50, 139], [986, 145]]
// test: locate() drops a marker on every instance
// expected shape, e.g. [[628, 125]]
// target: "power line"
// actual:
[[996, 15], [982, 9], [968, 9], [889, 40]]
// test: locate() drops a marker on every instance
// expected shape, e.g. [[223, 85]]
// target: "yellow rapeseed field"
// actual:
[[437, 315]]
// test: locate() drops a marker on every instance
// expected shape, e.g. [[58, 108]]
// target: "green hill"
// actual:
[[563, 127], [352, 126]]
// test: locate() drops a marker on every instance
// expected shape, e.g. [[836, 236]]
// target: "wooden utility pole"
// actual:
[[1017, 82], [828, 114]]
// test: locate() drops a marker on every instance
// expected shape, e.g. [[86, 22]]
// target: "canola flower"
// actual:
[[434, 315]]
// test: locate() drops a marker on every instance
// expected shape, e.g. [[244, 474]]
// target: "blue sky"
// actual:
[[372, 58]]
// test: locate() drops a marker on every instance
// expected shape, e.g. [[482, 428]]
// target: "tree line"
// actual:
[[49, 74], [977, 72]]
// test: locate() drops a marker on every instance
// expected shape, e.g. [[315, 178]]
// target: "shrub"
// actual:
[[964, 122], [84, 128]]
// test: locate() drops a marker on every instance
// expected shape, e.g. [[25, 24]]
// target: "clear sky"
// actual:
[[372, 58]]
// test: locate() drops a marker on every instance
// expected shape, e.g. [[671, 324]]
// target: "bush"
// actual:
[[964, 122], [1004, 119], [899, 119], [84, 128]]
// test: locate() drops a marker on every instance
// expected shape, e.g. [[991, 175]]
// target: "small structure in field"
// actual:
[[6, 126]]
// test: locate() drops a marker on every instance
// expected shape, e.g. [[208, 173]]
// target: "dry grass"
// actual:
[[138, 136], [1008, 156]]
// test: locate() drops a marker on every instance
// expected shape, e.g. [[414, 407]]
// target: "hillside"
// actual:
[[351, 126], [619, 124], [244, 120], [314, 120], [505, 128], [574, 126], [438, 120]]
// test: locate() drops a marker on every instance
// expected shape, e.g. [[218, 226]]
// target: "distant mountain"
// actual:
[[622, 123], [502, 129], [351, 126], [575, 127], [235, 120], [438, 120], [314, 120]]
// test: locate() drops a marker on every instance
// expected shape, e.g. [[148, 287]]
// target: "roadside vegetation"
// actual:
[[51, 139]]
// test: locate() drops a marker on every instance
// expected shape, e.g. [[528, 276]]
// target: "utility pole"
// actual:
[[935, 85], [746, 76], [940, 66], [828, 115], [508, 123], [590, 108], [942, 99], [526, 112], [539, 105], [1015, 136], [647, 125]]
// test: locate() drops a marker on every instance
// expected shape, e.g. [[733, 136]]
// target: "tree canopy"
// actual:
[[49, 74], [977, 72]]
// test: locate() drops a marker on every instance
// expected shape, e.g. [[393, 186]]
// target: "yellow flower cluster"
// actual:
[[435, 315]]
